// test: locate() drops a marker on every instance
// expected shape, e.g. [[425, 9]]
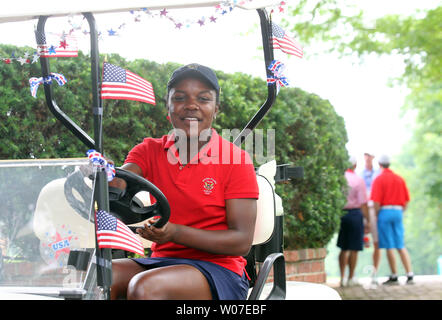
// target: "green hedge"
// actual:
[[317, 137], [309, 133]]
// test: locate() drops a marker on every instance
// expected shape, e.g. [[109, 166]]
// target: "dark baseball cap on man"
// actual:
[[194, 70]]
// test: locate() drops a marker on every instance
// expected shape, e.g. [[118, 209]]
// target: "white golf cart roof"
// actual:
[[29, 9]]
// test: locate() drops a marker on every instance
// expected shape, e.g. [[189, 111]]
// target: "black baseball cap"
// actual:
[[194, 70]]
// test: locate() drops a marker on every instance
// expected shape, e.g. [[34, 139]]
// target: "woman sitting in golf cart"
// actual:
[[212, 190]]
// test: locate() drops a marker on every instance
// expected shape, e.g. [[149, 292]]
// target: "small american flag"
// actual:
[[119, 83], [112, 233], [281, 41], [56, 45]]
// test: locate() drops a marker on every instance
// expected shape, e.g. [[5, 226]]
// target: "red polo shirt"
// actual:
[[197, 191], [389, 189]]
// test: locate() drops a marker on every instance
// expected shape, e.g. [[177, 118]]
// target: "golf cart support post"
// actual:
[[101, 196]]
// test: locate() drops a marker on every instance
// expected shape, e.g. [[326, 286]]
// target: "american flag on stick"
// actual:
[[119, 83], [112, 233], [56, 45], [281, 41]]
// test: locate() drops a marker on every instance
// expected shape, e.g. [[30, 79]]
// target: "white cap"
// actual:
[[352, 160], [384, 159]]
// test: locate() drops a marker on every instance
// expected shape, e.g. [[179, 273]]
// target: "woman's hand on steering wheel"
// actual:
[[123, 204]]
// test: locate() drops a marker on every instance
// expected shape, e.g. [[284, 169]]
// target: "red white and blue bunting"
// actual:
[[277, 68], [100, 163], [35, 82]]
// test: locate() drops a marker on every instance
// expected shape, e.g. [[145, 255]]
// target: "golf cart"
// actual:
[[55, 254]]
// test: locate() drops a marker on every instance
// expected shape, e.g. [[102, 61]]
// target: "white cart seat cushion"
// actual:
[[265, 217]]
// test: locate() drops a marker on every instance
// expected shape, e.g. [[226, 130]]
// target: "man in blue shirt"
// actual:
[[369, 173]]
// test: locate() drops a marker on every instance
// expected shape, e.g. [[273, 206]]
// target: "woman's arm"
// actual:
[[236, 240]]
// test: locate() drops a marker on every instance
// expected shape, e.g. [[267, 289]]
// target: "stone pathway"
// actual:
[[424, 288]]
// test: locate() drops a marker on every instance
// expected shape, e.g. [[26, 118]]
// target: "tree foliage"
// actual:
[[419, 42]]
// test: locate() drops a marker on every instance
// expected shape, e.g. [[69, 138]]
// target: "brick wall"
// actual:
[[305, 265]]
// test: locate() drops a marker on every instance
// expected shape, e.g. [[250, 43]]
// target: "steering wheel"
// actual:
[[129, 209]]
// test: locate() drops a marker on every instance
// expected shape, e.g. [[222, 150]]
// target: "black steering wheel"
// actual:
[[129, 209]]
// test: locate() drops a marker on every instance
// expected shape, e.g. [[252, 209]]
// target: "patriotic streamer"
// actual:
[[24, 59], [277, 68], [35, 82], [75, 24], [99, 162], [181, 21]]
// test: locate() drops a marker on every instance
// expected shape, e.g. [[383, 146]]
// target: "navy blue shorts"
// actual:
[[351, 232], [224, 284]]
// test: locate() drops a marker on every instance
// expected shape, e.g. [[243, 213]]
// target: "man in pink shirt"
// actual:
[[351, 232]]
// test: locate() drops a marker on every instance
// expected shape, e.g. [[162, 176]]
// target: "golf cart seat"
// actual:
[[60, 203], [266, 251]]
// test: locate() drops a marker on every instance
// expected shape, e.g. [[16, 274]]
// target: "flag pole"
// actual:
[[101, 193]]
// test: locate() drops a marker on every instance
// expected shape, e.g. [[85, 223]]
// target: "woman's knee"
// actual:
[[122, 272], [169, 283], [147, 285]]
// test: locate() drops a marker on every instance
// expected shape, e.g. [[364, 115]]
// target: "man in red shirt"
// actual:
[[390, 196]]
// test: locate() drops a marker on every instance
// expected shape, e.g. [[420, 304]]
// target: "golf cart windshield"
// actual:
[[46, 213]]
